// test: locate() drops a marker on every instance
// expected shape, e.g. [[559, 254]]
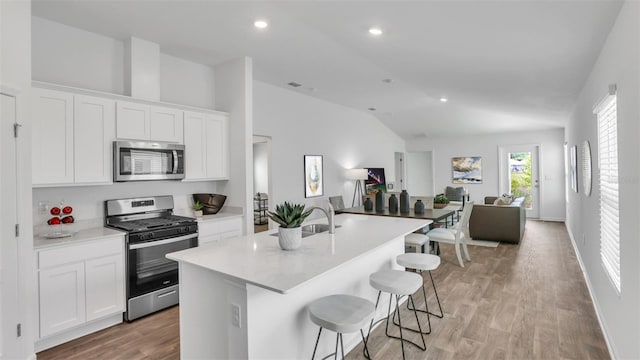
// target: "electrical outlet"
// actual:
[[235, 315]]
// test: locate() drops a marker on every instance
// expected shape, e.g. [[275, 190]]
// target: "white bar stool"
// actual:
[[398, 283], [341, 314], [421, 263], [415, 242]]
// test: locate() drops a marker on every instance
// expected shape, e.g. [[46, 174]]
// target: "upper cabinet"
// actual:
[[71, 138], [144, 122], [206, 140]]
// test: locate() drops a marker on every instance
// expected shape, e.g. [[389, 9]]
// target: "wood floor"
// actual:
[[526, 301]]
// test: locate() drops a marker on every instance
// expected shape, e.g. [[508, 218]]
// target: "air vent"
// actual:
[[294, 84]]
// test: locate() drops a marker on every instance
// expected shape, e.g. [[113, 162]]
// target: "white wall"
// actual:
[[74, 57], [552, 205], [300, 124], [260, 168], [618, 63], [420, 173]]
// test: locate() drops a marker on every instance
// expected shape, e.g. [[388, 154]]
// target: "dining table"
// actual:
[[435, 215]]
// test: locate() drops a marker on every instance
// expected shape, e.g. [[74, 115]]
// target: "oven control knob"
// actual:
[[180, 230]]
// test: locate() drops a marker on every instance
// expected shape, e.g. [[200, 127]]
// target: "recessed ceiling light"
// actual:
[[388, 81], [375, 31], [294, 84], [260, 24], [443, 99]]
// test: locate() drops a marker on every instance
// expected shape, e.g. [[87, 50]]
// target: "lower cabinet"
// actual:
[[79, 285], [216, 230]]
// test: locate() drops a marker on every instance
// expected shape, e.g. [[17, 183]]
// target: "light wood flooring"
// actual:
[[526, 301]]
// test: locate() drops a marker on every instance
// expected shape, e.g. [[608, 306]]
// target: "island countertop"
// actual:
[[257, 258]]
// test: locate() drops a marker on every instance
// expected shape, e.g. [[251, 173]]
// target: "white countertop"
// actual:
[[226, 212], [258, 259], [79, 235]]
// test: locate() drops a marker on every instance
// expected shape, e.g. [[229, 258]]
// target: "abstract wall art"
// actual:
[[467, 170]]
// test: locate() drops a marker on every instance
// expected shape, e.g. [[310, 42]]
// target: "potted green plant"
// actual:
[[197, 208], [289, 217], [440, 201]]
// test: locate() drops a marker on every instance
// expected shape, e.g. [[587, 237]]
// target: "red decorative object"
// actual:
[[55, 211], [67, 210], [54, 221], [67, 219]]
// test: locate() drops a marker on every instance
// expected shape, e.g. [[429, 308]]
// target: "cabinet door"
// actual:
[[62, 300], [105, 286], [166, 125], [132, 121], [194, 143], [216, 144], [52, 137], [94, 132]]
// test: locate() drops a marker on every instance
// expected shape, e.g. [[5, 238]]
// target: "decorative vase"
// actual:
[[418, 207], [368, 204], [393, 204], [379, 201], [290, 238], [439, 206], [404, 202]]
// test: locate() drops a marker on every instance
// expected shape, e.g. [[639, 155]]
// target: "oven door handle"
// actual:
[[175, 162], [162, 242]]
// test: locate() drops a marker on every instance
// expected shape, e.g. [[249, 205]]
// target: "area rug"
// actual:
[[483, 243]]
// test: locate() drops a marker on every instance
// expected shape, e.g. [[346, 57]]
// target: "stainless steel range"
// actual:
[[152, 232]]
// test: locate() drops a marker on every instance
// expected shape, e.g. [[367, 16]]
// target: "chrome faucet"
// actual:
[[330, 213]]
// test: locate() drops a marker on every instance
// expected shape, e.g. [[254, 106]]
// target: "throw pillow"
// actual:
[[500, 201], [454, 193]]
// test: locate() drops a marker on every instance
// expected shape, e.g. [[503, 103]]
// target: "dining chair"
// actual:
[[457, 235], [337, 202]]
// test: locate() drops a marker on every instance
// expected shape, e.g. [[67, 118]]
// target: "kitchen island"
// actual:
[[246, 298]]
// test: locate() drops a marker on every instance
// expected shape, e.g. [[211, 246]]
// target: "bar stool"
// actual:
[[421, 263], [398, 283], [415, 242], [341, 314]]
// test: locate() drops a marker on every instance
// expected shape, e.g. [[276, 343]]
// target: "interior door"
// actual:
[[9, 295], [519, 168]]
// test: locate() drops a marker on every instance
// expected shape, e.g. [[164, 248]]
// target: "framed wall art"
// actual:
[[467, 170], [375, 180], [573, 167], [313, 180]]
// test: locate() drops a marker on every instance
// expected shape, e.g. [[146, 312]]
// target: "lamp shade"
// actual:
[[357, 174]]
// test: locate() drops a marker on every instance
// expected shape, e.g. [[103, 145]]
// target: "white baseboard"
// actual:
[[74, 333], [547, 219], [596, 306]]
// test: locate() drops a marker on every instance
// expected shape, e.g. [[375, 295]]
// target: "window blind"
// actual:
[[608, 184]]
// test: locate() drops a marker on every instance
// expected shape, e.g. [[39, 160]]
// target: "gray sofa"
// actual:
[[498, 222]]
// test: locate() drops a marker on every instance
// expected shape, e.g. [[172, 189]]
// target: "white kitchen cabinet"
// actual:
[[80, 283], [94, 132], [104, 283], [150, 123], [52, 137], [166, 124], [132, 121], [62, 293], [206, 140], [72, 136], [216, 230]]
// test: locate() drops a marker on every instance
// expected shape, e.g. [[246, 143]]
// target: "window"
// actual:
[[606, 112]]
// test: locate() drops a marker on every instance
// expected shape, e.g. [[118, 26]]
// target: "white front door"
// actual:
[[9, 301], [520, 175]]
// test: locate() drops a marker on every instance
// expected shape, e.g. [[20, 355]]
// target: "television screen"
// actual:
[[376, 180]]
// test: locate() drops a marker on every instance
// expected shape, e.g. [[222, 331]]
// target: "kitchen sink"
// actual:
[[312, 229]]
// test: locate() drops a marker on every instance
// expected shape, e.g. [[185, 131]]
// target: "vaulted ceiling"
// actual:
[[511, 65]]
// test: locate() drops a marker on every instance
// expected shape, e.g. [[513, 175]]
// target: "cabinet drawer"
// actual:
[[229, 225], [80, 252]]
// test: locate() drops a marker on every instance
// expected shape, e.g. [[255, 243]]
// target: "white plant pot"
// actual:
[[197, 213], [290, 238]]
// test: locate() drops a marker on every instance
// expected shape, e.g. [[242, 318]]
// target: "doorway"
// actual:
[[520, 175], [9, 253], [261, 182]]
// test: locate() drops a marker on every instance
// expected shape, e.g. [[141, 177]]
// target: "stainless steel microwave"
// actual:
[[137, 160]]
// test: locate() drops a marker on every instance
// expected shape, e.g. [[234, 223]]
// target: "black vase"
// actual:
[[379, 201], [404, 202], [393, 204], [418, 207], [368, 204]]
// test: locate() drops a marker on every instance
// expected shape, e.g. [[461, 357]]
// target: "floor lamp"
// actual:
[[357, 175]]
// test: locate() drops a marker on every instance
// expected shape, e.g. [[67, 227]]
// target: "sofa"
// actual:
[[503, 223]]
